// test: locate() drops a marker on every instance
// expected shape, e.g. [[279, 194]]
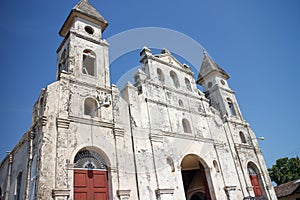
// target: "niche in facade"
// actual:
[[90, 107]]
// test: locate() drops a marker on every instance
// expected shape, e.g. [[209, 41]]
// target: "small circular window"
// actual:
[[223, 82], [89, 30]]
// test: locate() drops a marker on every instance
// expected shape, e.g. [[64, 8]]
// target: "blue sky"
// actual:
[[256, 42]]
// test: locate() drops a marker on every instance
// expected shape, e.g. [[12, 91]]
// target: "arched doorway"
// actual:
[[90, 176], [194, 179], [255, 179]]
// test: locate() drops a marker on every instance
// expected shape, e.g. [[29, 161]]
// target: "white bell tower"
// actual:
[[213, 79], [83, 54]]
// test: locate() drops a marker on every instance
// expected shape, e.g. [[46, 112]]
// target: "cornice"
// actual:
[[159, 137], [176, 107], [217, 86], [99, 42], [95, 122], [241, 147], [88, 85]]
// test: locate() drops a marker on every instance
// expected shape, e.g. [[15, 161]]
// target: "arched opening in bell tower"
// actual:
[[194, 179]]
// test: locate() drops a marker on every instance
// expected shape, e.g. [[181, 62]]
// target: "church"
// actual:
[[159, 138]]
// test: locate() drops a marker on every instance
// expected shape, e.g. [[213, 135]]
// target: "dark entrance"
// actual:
[[194, 179], [198, 196]]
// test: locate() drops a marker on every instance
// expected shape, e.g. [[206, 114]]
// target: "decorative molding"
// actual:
[[230, 191], [240, 147], [151, 57], [42, 120], [99, 42], [123, 194], [235, 120], [88, 85], [156, 137], [119, 132], [176, 107], [60, 194], [91, 122], [189, 94], [62, 123], [113, 169], [217, 86], [159, 137], [188, 136], [219, 145], [164, 191], [230, 188]]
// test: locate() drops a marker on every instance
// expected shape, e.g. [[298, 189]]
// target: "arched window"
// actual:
[[180, 103], [90, 107], [186, 126], [188, 84], [174, 79], [88, 159], [160, 75], [231, 107], [255, 179], [18, 186], [89, 63], [242, 136]]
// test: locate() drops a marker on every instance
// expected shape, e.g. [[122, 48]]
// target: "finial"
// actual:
[[165, 51], [204, 51]]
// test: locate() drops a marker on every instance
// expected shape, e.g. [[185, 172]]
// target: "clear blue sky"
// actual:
[[256, 42]]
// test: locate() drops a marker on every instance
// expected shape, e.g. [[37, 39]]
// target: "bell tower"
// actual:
[[213, 79], [83, 54]]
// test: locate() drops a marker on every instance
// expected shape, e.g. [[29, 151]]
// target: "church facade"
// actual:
[[159, 138]]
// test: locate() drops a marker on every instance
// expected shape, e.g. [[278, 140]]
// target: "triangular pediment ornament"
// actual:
[[166, 57]]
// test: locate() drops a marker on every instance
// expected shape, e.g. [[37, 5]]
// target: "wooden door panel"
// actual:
[[256, 185], [90, 185], [99, 181], [100, 196], [80, 179], [80, 195]]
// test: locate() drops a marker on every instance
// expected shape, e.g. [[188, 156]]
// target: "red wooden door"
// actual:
[[90, 185], [255, 185]]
